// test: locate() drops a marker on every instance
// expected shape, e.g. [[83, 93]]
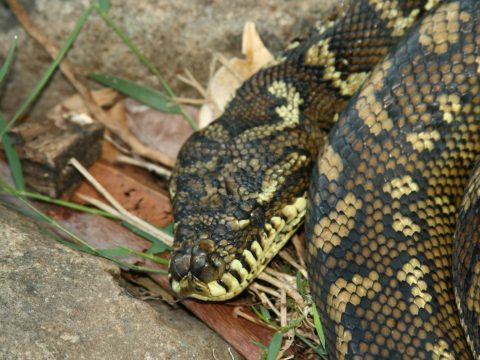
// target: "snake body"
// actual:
[[384, 192]]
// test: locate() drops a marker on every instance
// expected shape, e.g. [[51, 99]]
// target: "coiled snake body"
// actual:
[[384, 192]]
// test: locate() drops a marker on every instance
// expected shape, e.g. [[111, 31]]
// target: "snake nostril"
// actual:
[[198, 263], [208, 268], [179, 265]]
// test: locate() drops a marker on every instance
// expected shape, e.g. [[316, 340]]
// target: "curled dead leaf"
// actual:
[[233, 73]]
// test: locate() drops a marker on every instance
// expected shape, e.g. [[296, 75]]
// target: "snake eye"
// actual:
[[257, 217]]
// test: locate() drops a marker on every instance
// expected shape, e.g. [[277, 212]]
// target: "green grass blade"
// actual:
[[116, 251], [274, 346], [71, 245], [51, 69], [260, 345], [8, 60], [12, 157], [167, 229], [301, 286], [317, 348], [262, 313], [80, 244], [122, 251], [143, 59], [158, 246], [146, 95], [67, 204], [318, 325], [292, 324], [104, 5]]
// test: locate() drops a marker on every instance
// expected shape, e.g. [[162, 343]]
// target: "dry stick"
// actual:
[[266, 289], [283, 308], [309, 336], [67, 69], [189, 79], [224, 61], [238, 312], [289, 337], [289, 279], [288, 258], [189, 101], [159, 170], [266, 302], [290, 290], [125, 215], [117, 144], [299, 249], [229, 349], [130, 218]]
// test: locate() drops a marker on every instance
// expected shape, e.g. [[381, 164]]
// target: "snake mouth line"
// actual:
[[241, 271]]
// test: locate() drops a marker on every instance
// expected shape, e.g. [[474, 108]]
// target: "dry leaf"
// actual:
[[233, 73], [75, 105], [164, 132]]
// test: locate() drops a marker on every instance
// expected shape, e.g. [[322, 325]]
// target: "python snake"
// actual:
[[385, 273]]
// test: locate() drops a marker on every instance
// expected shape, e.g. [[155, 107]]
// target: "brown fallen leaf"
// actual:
[[233, 73], [164, 132], [141, 200], [104, 97]]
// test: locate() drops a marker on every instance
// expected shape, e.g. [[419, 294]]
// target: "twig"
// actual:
[[224, 61], [283, 308], [229, 349], [189, 79], [189, 101], [309, 336], [299, 249], [116, 144], [289, 279], [157, 169], [290, 290], [290, 338], [67, 69], [266, 302], [123, 213], [259, 287], [288, 258], [238, 312]]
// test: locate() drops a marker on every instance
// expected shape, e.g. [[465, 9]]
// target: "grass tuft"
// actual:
[[146, 95]]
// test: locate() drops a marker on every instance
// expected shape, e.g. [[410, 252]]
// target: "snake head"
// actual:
[[212, 258], [237, 197], [195, 265], [216, 257]]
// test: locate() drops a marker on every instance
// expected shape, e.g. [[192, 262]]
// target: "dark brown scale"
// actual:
[[384, 197], [466, 260], [220, 175]]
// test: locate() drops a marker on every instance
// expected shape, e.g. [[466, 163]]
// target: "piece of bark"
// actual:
[[45, 147]]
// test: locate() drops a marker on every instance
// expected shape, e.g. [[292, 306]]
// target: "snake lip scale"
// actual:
[[384, 105]]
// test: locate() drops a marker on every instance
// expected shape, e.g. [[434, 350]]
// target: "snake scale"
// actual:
[[381, 203]]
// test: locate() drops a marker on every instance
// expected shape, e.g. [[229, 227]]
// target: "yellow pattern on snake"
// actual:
[[389, 276]]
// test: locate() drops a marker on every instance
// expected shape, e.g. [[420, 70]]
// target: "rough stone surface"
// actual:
[[58, 304], [176, 35]]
